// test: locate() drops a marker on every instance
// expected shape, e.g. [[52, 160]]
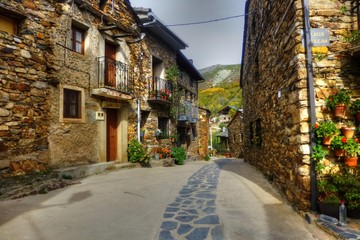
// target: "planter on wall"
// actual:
[[351, 161], [339, 110], [339, 152], [327, 141], [348, 132]]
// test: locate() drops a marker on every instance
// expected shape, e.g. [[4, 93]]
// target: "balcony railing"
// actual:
[[161, 90], [185, 111], [115, 75]]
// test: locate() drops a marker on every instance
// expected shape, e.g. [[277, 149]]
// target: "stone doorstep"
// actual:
[[97, 168], [92, 169]]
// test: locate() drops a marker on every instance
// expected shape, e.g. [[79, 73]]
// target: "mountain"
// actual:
[[221, 87]]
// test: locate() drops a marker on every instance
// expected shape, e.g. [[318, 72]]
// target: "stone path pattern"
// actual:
[[193, 214]]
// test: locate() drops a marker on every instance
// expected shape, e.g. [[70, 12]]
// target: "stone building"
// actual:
[[71, 76], [171, 102], [284, 94], [204, 134], [235, 134]]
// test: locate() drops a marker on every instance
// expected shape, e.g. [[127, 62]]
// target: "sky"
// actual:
[[209, 44]]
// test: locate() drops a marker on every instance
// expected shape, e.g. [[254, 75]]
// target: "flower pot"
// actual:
[[339, 110], [329, 209], [327, 141], [354, 213], [351, 161], [348, 132], [357, 116], [339, 152]]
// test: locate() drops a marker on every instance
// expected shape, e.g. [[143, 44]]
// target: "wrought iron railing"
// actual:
[[115, 75], [185, 111], [161, 89]]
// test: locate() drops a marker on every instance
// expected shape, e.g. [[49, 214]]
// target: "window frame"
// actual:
[[13, 22], [164, 121], [80, 103], [74, 41]]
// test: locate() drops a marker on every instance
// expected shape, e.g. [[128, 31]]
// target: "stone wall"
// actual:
[[26, 60], [274, 81], [236, 132], [204, 126]]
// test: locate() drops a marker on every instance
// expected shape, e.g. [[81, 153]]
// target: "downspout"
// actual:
[[310, 75], [139, 118]]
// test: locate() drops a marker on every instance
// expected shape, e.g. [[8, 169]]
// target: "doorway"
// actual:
[[110, 66], [111, 134]]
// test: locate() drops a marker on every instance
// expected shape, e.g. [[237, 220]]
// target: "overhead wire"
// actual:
[[208, 21]]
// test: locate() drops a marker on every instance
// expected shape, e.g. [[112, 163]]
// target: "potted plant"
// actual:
[[352, 151], [158, 133], [319, 153], [348, 129], [337, 144], [355, 109], [137, 152], [328, 197], [326, 130], [179, 154], [173, 137], [338, 102]]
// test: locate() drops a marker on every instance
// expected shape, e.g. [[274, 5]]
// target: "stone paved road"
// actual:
[[222, 199]]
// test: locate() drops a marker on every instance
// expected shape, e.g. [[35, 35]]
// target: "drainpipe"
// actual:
[[139, 118], [310, 75]]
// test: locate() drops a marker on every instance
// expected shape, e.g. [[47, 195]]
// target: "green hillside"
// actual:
[[221, 87]]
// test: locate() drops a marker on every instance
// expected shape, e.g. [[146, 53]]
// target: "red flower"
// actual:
[[331, 99], [344, 140], [316, 125]]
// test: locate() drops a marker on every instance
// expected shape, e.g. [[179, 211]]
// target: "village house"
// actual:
[[72, 74], [171, 104], [235, 135], [284, 90]]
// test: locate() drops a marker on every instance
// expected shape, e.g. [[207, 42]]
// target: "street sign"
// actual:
[[319, 37]]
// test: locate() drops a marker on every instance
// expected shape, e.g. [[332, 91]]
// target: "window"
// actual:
[[163, 125], [72, 104], [8, 25], [77, 39], [258, 138], [72, 100]]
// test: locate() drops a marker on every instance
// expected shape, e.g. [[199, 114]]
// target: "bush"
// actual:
[[179, 155], [137, 152], [207, 158]]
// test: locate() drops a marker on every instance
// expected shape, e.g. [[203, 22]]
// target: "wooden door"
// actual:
[[110, 67], [111, 133]]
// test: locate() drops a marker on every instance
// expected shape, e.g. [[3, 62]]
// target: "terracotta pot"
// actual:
[[348, 132], [357, 116], [351, 161], [327, 141], [339, 152], [339, 110]]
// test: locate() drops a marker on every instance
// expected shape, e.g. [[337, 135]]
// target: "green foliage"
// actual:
[[352, 36], [173, 73], [338, 142], [343, 9], [318, 152], [351, 148], [355, 106], [207, 158], [222, 83], [342, 97], [179, 154], [326, 129], [319, 56], [137, 152]]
